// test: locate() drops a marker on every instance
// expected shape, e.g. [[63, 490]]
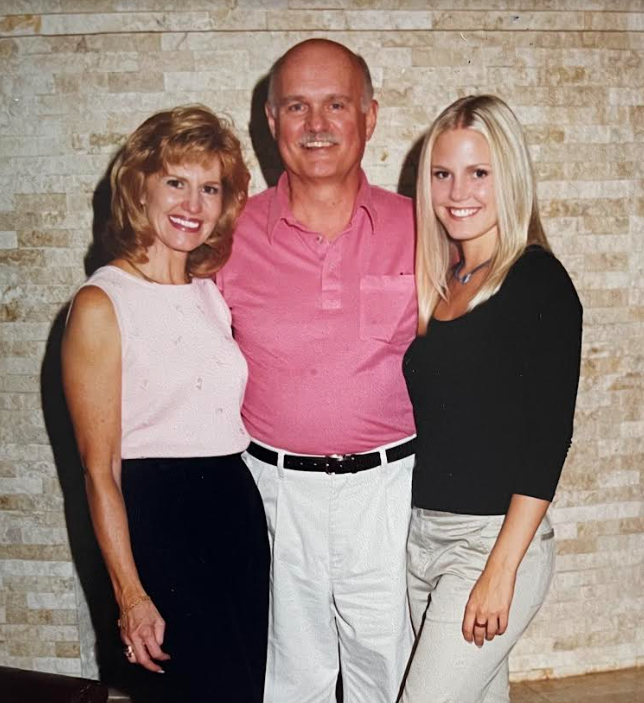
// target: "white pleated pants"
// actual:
[[338, 581], [446, 555]]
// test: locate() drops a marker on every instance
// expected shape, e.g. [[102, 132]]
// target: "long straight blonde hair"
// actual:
[[519, 223]]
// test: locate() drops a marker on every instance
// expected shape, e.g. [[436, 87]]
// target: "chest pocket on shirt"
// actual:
[[388, 308]]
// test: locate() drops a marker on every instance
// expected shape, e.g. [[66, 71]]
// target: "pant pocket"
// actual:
[[419, 548], [255, 466], [542, 551], [265, 478], [398, 498], [487, 533]]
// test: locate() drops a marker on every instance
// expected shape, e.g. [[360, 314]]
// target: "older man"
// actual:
[[321, 289]]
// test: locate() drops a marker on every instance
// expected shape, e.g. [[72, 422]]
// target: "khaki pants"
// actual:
[[446, 554], [338, 581]]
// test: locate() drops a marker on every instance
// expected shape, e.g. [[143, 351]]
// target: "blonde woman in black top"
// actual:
[[493, 379]]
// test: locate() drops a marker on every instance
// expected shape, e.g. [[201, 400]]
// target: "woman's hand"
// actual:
[[488, 607], [91, 356], [142, 630]]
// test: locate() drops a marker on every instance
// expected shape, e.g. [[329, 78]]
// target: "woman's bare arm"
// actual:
[[491, 597], [91, 362]]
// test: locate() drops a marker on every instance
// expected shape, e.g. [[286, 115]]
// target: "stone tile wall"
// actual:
[[76, 76]]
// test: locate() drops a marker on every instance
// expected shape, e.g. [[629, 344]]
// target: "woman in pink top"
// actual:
[[154, 383]]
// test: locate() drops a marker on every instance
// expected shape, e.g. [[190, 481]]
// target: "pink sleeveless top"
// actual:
[[183, 374]]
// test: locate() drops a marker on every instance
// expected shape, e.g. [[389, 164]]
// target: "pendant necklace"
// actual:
[[147, 278], [456, 271]]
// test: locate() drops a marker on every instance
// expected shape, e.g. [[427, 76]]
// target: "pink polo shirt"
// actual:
[[324, 325]]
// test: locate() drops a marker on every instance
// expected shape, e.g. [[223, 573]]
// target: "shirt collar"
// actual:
[[280, 207]]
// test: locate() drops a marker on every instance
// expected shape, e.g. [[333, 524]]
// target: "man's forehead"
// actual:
[[320, 95], [318, 53], [316, 60], [316, 76]]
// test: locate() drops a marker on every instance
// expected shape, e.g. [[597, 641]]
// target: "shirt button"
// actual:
[[319, 239]]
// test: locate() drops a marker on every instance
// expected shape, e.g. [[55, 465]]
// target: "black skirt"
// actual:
[[199, 539]]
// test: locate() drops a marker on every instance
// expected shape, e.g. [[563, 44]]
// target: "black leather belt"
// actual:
[[333, 463]]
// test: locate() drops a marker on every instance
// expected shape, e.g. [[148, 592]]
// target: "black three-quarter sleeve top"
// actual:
[[494, 392]]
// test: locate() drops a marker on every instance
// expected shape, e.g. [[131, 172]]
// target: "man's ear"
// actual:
[[270, 116], [371, 118]]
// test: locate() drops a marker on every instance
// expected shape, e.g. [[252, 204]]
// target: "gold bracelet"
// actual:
[[129, 607]]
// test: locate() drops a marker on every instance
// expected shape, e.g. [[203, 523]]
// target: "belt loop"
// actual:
[[383, 457], [279, 468]]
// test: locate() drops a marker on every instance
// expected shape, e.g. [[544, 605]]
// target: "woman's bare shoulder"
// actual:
[[92, 311]]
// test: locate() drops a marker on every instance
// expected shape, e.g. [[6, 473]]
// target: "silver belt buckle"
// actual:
[[335, 457]]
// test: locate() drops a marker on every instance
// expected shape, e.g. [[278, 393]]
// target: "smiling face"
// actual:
[[318, 117], [462, 188], [183, 204]]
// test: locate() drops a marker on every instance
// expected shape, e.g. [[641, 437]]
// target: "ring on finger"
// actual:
[[129, 652], [480, 624]]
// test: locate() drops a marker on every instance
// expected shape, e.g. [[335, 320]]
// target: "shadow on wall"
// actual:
[[409, 170], [85, 552], [261, 138], [113, 669]]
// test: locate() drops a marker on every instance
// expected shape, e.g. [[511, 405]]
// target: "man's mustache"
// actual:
[[312, 137]]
